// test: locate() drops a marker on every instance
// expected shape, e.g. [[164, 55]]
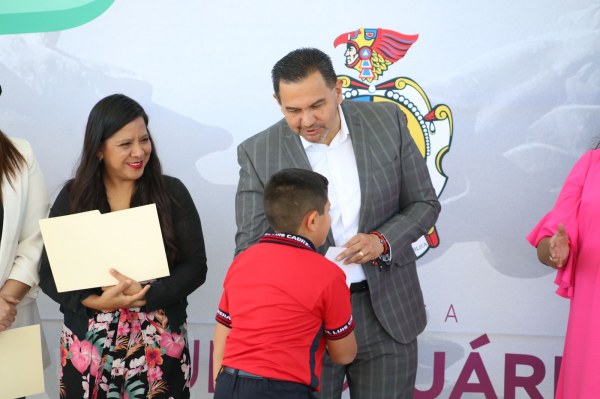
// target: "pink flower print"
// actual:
[[83, 354], [123, 328], [136, 327], [153, 357], [154, 374], [173, 343], [124, 316], [95, 367]]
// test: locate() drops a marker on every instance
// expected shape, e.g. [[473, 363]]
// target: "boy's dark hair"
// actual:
[[290, 194], [298, 64]]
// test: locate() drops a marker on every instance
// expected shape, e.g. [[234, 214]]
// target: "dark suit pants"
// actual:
[[383, 368]]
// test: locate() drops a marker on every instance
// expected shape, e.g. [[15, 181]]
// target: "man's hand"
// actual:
[[8, 311], [559, 247], [361, 248]]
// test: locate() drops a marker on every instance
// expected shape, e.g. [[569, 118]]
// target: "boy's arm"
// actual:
[[221, 333], [338, 320], [342, 351]]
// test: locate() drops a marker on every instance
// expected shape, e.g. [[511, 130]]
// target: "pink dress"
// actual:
[[578, 208]]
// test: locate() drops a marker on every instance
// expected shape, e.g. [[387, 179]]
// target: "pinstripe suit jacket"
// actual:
[[397, 199]]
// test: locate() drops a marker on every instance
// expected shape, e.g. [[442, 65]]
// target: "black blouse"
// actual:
[[169, 293]]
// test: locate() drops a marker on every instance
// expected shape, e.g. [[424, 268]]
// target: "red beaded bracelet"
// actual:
[[383, 241]]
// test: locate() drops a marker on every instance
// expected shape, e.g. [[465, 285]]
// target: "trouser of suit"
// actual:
[[383, 368], [235, 386]]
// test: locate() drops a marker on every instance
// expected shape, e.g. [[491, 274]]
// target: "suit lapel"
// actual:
[[293, 150]]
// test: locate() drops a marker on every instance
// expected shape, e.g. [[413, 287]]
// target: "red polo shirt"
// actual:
[[281, 300]]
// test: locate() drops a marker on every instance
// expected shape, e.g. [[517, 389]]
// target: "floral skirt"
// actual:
[[125, 354]]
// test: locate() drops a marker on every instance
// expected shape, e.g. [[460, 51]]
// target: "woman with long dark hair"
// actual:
[[128, 340], [567, 239]]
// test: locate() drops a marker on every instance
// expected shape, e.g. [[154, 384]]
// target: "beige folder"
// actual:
[[21, 369], [83, 247]]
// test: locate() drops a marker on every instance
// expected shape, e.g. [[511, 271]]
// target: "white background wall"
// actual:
[[522, 80]]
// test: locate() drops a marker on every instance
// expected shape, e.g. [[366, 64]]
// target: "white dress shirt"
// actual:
[[337, 163]]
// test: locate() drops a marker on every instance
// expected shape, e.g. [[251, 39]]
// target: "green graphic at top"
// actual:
[[28, 16]]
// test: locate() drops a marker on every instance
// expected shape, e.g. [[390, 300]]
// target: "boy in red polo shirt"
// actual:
[[282, 302]]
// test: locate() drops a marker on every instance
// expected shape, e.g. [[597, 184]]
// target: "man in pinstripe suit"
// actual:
[[382, 201]]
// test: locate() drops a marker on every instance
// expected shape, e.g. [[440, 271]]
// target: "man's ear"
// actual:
[[338, 91]]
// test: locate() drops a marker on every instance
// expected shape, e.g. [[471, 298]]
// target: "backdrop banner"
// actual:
[[501, 99]]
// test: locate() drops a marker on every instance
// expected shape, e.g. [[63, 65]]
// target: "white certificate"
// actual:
[[83, 247], [353, 271], [21, 368]]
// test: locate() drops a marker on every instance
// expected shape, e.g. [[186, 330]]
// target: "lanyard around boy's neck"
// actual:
[[293, 240]]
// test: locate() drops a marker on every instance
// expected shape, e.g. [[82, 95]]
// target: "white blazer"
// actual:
[[25, 202]]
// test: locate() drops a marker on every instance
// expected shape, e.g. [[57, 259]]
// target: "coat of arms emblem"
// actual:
[[371, 52]]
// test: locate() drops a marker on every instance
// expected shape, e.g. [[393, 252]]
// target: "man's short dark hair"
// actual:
[[299, 64], [290, 194]]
